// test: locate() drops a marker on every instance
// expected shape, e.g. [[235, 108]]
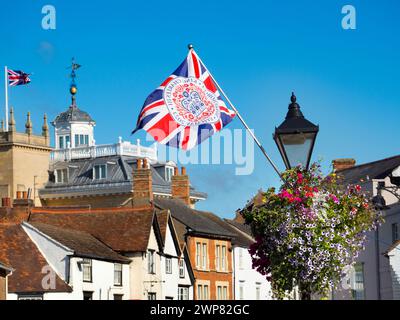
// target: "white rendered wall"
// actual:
[[143, 282], [394, 260], [60, 259], [171, 281], [248, 278]]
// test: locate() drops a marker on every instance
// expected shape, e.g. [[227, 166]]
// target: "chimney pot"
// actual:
[[145, 166], [19, 194], [176, 171], [25, 194], [139, 163], [183, 171]]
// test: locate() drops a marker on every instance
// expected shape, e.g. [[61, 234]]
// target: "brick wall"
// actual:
[[211, 276], [93, 201]]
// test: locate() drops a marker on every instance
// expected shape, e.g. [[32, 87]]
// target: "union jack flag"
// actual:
[[17, 77], [186, 108]]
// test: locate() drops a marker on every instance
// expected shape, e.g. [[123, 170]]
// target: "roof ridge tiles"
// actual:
[[369, 163]]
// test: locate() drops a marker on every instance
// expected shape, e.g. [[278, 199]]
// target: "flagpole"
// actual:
[[6, 94], [242, 120]]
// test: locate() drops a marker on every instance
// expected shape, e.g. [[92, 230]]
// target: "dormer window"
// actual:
[[99, 171], [169, 172], [61, 175]]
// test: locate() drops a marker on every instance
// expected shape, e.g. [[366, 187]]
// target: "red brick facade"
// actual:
[[213, 275]]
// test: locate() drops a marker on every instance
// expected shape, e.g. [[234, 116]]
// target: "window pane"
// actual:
[[81, 139], [198, 249], [67, 141], [76, 140], [225, 293], [205, 292], [217, 256], [204, 256], [358, 290], [199, 292], [61, 142], [117, 274], [86, 140], [223, 266], [181, 268], [87, 270], [168, 265]]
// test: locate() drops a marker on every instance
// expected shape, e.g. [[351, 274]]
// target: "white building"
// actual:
[[249, 284], [176, 271], [394, 261], [371, 278], [91, 269]]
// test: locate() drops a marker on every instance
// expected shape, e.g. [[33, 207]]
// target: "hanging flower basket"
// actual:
[[309, 232]]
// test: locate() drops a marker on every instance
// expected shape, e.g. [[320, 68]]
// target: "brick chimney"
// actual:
[[22, 200], [18, 211], [180, 186], [142, 184], [6, 202], [341, 164]]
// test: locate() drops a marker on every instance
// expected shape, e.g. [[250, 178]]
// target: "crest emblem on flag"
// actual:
[[186, 108]]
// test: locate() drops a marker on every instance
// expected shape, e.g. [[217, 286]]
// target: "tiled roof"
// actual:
[[238, 238], [123, 230], [162, 218], [18, 251], [118, 180], [82, 243], [4, 266], [198, 221], [181, 230], [368, 171], [245, 228], [73, 113]]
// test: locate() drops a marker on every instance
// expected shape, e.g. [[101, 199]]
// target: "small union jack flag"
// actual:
[[17, 78], [186, 108]]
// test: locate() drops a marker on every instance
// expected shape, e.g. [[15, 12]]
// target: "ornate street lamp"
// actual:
[[295, 137]]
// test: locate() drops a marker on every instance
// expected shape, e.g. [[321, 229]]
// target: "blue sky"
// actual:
[[347, 81]]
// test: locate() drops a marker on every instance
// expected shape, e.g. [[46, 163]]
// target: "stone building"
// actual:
[[83, 173], [24, 159]]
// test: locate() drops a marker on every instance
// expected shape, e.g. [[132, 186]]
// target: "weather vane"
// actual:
[[73, 89]]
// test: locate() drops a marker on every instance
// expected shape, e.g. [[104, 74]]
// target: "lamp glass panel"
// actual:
[[297, 147]]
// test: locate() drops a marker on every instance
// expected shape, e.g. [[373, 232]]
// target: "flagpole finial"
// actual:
[[190, 46]]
